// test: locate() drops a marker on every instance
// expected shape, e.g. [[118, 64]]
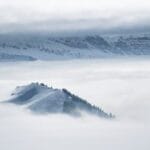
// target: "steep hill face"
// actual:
[[41, 99], [31, 47], [133, 45]]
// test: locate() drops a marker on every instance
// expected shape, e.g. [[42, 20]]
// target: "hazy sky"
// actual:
[[74, 14]]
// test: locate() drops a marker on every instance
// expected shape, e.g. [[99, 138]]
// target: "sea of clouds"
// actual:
[[120, 86]]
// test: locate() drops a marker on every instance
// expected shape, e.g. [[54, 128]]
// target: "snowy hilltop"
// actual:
[[46, 47], [42, 99]]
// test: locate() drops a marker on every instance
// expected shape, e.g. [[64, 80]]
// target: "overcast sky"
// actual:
[[74, 14]]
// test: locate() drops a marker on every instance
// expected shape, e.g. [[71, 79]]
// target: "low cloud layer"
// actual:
[[118, 86], [59, 15]]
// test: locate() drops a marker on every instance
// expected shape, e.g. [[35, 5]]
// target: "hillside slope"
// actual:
[[94, 46], [41, 99]]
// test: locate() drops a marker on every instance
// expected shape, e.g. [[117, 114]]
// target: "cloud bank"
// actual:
[[119, 86], [59, 15]]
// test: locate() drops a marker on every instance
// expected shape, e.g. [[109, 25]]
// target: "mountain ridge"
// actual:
[[41, 99], [90, 46]]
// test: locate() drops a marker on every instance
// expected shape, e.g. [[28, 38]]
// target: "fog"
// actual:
[[60, 15], [120, 86]]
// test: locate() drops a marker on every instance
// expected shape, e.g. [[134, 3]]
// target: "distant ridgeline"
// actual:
[[31, 47], [42, 99]]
